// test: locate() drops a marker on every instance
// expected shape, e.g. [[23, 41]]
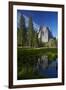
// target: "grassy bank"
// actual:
[[35, 51]]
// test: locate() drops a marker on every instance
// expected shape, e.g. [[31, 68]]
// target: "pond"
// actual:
[[37, 66]]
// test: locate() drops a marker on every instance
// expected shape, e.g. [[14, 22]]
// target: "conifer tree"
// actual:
[[22, 31], [30, 33]]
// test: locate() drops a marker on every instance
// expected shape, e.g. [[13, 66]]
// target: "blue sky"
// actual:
[[42, 18]]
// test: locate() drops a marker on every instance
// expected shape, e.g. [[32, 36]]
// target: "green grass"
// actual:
[[32, 51]]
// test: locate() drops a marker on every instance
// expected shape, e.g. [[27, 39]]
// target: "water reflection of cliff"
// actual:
[[42, 61], [46, 67], [38, 67]]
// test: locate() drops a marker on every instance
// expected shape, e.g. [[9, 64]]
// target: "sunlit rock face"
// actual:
[[44, 34]]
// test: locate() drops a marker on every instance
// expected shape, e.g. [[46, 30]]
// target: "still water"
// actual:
[[34, 67]]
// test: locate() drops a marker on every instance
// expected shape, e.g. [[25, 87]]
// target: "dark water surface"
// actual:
[[37, 66]]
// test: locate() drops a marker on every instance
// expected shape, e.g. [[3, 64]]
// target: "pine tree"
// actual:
[[35, 40], [22, 31], [30, 33]]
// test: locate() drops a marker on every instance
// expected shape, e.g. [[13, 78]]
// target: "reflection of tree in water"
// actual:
[[36, 63], [34, 66]]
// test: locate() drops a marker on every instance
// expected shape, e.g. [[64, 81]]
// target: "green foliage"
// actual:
[[30, 33], [19, 39], [35, 40], [27, 37], [52, 42], [21, 33]]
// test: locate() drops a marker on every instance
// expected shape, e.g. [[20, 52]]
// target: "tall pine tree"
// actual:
[[22, 31], [35, 39], [30, 33]]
